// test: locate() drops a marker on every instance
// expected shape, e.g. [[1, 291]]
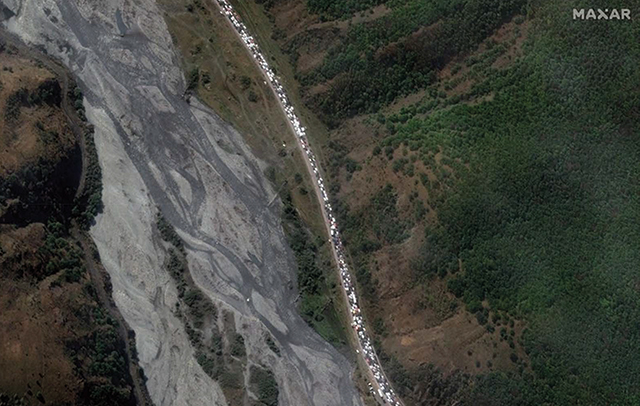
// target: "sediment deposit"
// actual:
[[159, 152]]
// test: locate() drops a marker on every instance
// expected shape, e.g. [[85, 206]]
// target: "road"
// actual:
[[364, 349]]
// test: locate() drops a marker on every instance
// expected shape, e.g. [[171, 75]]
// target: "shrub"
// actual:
[[237, 346], [193, 78], [245, 82], [266, 386], [253, 97], [272, 345]]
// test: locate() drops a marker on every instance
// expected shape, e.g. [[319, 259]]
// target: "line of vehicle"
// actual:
[[364, 342]]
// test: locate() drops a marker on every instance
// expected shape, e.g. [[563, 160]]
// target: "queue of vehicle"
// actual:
[[384, 389]]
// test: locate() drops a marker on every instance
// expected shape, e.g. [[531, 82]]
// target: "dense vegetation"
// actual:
[[393, 56], [89, 203], [99, 356], [340, 8], [265, 386], [15, 400], [310, 277], [545, 221], [48, 92], [316, 303], [40, 190]]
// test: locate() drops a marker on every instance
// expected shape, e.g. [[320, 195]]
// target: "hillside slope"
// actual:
[[484, 163], [62, 342]]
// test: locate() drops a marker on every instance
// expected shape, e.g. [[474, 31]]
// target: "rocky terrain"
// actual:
[[160, 153]]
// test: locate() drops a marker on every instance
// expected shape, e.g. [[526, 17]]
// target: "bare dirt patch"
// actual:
[[456, 344], [292, 17], [311, 47], [514, 33]]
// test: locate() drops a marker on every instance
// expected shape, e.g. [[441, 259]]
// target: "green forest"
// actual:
[[393, 56], [545, 212]]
